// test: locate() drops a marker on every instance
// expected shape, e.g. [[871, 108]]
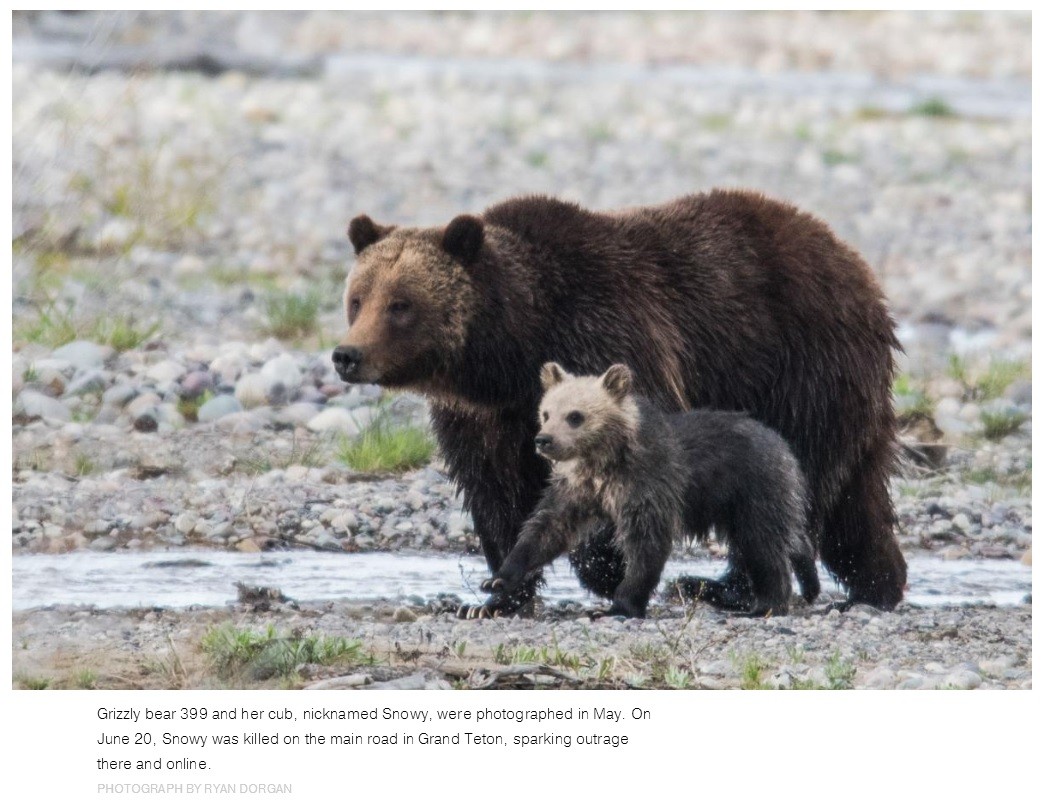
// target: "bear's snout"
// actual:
[[346, 361], [544, 443]]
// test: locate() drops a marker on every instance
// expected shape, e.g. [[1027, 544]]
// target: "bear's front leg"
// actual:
[[545, 536], [491, 458]]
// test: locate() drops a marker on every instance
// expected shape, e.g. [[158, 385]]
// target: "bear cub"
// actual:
[[657, 477]]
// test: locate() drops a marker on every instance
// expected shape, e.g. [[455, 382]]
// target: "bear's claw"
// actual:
[[482, 612]]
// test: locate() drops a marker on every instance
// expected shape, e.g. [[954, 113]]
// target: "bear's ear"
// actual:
[[551, 374], [363, 232], [617, 381], [463, 238]]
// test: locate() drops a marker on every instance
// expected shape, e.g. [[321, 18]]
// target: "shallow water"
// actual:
[[186, 577]]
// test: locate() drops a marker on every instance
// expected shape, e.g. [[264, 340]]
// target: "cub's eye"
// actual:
[[574, 419], [398, 307], [353, 307], [544, 415]]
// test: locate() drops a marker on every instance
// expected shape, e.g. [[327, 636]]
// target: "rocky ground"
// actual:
[[179, 257]]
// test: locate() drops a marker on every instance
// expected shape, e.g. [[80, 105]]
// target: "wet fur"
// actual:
[[724, 300]]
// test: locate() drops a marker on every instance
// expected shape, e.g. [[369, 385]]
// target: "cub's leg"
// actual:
[[545, 536], [644, 536]]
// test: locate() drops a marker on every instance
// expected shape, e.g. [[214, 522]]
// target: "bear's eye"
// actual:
[[398, 307], [353, 307], [574, 419], [544, 415]]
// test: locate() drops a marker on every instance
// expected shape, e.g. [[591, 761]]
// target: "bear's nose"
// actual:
[[346, 361], [543, 441]]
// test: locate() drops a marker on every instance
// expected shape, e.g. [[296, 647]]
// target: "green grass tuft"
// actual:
[[236, 652], [839, 674], [54, 326], [84, 465], [932, 107], [997, 425], [382, 447], [292, 315], [752, 672]]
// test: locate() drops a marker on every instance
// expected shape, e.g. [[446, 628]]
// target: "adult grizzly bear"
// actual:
[[725, 300]]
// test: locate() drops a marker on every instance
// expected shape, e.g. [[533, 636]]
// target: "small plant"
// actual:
[[263, 655], [52, 326], [998, 424], [538, 159], [34, 682], [30, 375], [834, 157], [292, 315], [998, 376], [677, 678], [911, 398], [121, 332], [383, 447], [189, 408], [751, 673], [83, 464], [870, 113], [839, 674], [86, 679], [932, 107]]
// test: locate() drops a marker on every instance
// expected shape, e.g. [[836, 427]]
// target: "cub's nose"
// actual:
[[346, 361], [543, 442]]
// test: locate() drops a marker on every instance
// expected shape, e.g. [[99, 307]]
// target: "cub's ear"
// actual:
[[617, 381], [551, 374], [363, 232], [463, 238]]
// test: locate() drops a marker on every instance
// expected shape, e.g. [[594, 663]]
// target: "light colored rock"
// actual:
[[185, 522], [335, 419], [142, 404], [962, 679], [218, 407], [83, 354], [34, 405], [165, 372], [252, 391]]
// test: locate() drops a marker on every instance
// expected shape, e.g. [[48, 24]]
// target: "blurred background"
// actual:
[[183, 180]]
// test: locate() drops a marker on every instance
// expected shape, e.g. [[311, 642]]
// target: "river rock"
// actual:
[[91, 381], [335, 419], [165, 372], [34, 405], [195, 383], [83, 354], [252, 391], [962, 679], [220, 406]]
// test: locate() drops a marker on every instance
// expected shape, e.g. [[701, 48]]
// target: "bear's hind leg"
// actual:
[[859, 545]]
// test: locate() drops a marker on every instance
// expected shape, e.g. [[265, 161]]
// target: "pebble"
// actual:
[[335, 419], [962, 679], [252, 391], [83, 354], [32, 404], [218, 407]]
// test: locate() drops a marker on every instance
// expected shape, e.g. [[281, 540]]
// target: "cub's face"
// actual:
[[580, 416], [408, 301]]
